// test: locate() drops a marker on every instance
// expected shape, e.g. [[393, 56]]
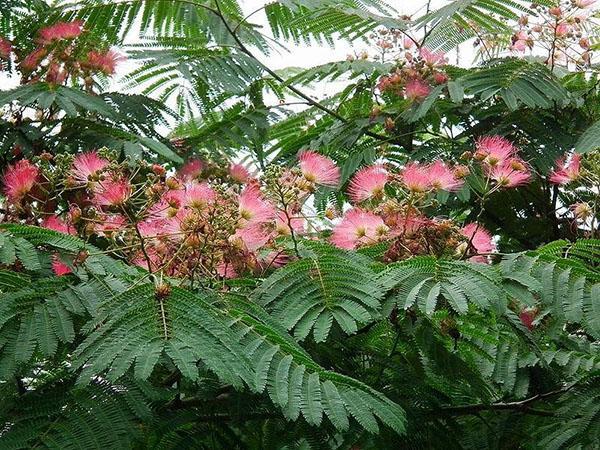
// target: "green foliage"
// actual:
[[312, 293]]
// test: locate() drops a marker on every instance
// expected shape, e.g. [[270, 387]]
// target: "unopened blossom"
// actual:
[[358, 227], [511, 173], [239, 173], [19, 179], [416, 89], [440, 77], [493, 150], [87, 166], [480, 239], [60, 31], [566, 172], [112, 192], [368, 183], [416, 177], [555, 11], [319, 169], [5, 48], [442, 177], [253, 208], [105, 62]]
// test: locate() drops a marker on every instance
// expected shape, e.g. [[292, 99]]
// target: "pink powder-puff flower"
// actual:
[[87, 165], [416, 177], [198, 195], [440, 77], [282, 224], [480, 239], [493, 150], [226, 270], [405, 224], [5, 48], [59, 268], [33, 60], [584, 3], [367, 183], [511, 173], [112, 192], [357, 228], [19, 180], [60, 31], [432, 58], [109, 224], [239, 173], [407, 43], [273, 260], [527, 317], [105, 62], [582, 211], [562, 29], [253, 208], [442, 177], [566, 172], [191, 169], [319, 169], [519, 45], [55, 223], [416, 90], [251, 237]]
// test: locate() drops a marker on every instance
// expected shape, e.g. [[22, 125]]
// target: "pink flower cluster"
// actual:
[[60, 55], [500, 162], [415, 75], [559, 33]]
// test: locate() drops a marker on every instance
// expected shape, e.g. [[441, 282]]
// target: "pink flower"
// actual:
[[282, 224], [112, 192], [239, 173], [416, 177], [191, 169], [19, 179], [198, 195], [105, 62], [5, 48], [405, 224], [226, 270], [59, 268], [253, 208], [319, 169], [367, 183], [527, 316], [432, 58], [562, 29], [86, 165], [109, 224], [480, 239], [32, 61], [416, 90], [55, 223], [358, 227], [519, 46], [441, 177], [251, 237], [407, 43], [565, 173], [511, 173], [493, 150], [584, 3], [56, 74], [440, 77], [60, 31]]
